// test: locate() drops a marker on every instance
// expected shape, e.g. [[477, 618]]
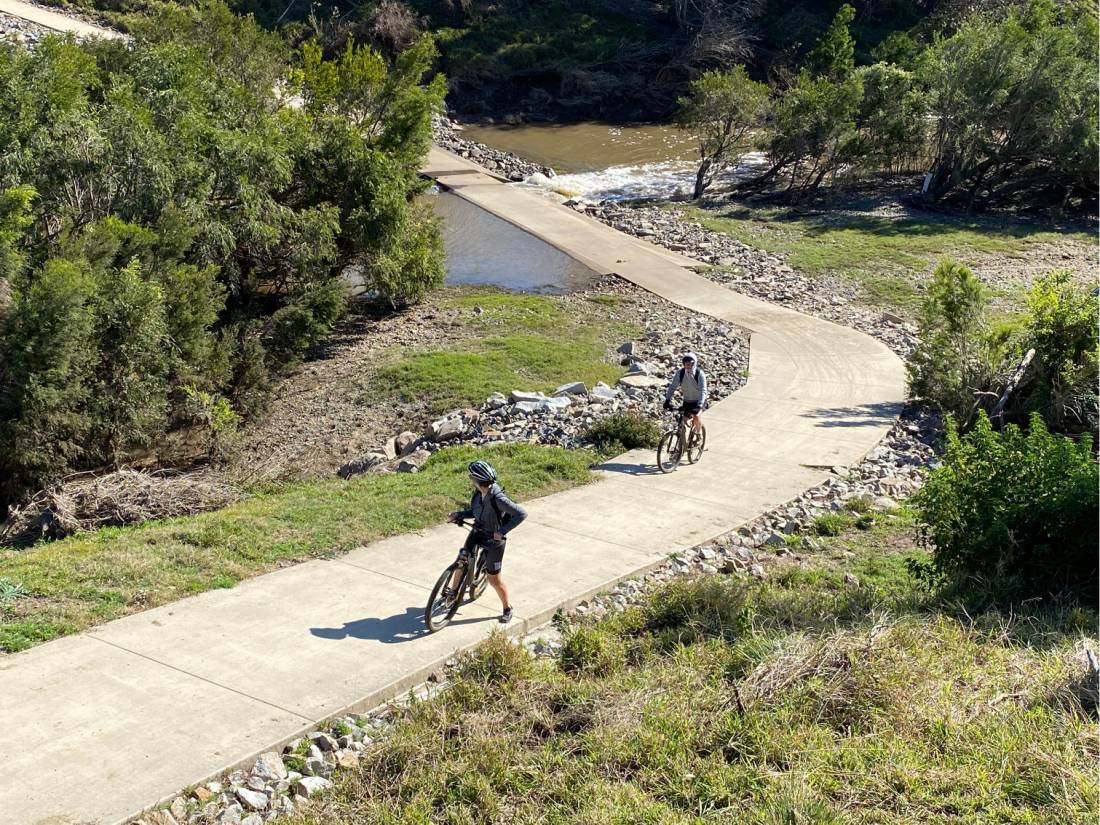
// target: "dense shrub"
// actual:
[[1015, 100], [591, 650], [170, 224], [1013, 514], [1061, 327], [952, 361], [963, 365], [624, 432]]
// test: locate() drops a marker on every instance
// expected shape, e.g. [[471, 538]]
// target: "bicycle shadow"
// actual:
[[401, 627], [629, 469]]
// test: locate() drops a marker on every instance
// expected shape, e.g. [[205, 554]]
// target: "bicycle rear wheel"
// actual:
[[441, 609], [696, 442], [669, 451]]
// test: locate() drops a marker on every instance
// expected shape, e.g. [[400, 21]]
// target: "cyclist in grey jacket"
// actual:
[[495, 516], [692, 383]]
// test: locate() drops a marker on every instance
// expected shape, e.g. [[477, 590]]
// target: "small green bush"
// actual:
[[624, 432], [831, 524], [1012, 515], [496, 661], [592, 650]]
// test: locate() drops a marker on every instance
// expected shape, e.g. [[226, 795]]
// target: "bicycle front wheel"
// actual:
[[696, 442], [669, 452], [441, 607], [481, 579]]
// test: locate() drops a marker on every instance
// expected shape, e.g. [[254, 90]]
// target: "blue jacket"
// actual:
[[485, 515]]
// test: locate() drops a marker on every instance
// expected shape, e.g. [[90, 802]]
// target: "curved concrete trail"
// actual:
[[102, 724]]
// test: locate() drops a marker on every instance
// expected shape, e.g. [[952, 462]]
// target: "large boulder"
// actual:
[[641, 382], [412, 462], [453, 425], [405, 442], [603, 392], [519, 396], [575, 388], [496, 401]]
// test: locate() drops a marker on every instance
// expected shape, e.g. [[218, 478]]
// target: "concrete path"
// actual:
[[103, 724], [54, 20]]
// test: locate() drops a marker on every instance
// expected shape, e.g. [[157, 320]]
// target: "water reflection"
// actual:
[[483, 249]]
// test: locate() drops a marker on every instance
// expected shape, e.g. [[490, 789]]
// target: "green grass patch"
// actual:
[[806, 698], [887, 256], [529, 342], [92, 578]]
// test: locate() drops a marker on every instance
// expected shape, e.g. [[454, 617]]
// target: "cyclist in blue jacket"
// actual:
[[495, 516]]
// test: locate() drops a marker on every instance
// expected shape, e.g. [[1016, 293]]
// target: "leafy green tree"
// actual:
[[49, 362], [201, 219], [813, 131], [1015, 100], [891, 120], [721, 109], [952, 365], [834, 55], [1013, 515]]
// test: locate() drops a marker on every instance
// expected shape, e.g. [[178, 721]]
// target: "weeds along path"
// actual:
[[115, 719]]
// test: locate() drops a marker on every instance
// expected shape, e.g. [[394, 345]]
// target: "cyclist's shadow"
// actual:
[[629, 469], [401, 627]]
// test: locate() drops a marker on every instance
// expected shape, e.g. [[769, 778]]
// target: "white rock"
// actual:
[[640, 382], [307, 786], [269, 766], [252, 800], [521, 395], [575, 388]]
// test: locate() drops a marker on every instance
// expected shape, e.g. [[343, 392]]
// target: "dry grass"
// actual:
[[123, 497]]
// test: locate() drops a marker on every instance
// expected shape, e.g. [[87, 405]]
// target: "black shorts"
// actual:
[[691, 408], [493, 550]]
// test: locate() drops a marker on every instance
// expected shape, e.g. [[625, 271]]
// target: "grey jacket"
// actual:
[[483, 513], [693, 387]]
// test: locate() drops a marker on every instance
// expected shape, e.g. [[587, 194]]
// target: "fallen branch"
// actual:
[[1013, 382]]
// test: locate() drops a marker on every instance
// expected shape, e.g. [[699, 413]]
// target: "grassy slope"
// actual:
[[530, 342], [92, 578], [885, 255], [807, 698]]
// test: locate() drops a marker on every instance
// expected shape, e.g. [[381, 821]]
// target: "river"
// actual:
[[600, 161]]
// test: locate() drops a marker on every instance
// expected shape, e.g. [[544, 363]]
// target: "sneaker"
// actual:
[[506, 616]]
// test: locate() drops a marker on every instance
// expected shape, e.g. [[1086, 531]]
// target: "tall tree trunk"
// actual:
[[702, 181]]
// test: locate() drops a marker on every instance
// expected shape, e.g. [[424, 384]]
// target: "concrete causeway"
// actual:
[[54, 20], [106, 723]]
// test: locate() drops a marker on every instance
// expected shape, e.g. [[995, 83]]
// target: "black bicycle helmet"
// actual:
[[482, 473]]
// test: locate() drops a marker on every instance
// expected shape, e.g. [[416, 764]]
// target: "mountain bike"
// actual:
[[472, 581], [681, 441]]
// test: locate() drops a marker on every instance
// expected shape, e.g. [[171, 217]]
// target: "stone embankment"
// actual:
[[21, 31], [448, 134]]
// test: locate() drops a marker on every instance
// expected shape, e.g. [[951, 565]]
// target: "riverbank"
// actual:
[[861, 257]]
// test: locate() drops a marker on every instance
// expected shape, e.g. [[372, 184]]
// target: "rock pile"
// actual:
[[21, 31], [563, 417], [448, 134]]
